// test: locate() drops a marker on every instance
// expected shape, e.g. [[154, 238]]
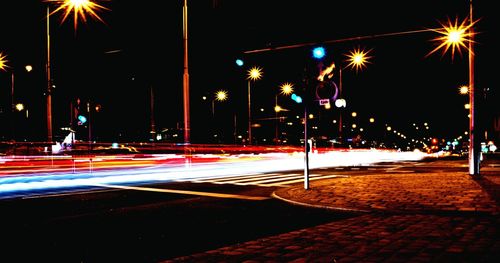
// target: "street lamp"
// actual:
[[285, 89], [4, 66], [455, 36], [220, 95], [357, 60], [79, 8], [254, 73], [13, 106]]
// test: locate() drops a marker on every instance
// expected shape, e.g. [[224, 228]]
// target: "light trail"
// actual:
[[162, 168]]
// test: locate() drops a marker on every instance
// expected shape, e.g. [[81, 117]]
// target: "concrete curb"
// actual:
[[342, 209]]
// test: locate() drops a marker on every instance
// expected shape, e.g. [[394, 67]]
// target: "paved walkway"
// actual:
[[403, 217]]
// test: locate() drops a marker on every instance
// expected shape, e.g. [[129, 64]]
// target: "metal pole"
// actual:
[[152, 118], [306, 152], [276, 121], [12, 106], [474, 145], [340, 108], [49, 84], [187, 128], [12, 91], [213, 108], [249, 116], [90, 127]]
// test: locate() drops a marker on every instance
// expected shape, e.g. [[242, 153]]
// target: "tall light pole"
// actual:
[[220, 95], [185, 76], [3, 66], [49, 82], [255, 73], [356, 59], [454, 36], [285, 89], [79, 9], [474, 145]]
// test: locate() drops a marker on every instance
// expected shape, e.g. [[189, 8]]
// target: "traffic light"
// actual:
[[81, 119], [318, 52], [296, 98], [79, 112]]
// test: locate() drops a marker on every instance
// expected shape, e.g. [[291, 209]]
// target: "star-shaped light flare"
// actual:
[[454, 37], [221, 95], [286, 88], [255, 73], [79, 8], [3, 61], [357, 59]]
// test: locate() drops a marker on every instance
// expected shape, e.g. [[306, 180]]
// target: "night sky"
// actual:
[[139, 48]]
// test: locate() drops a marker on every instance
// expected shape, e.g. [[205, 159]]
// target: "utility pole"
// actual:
[[49, 83], [474, 144], [187, 128]]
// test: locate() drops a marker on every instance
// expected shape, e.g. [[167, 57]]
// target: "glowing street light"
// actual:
[[254, 73], [3, 61], [463, 90], [79, 8]]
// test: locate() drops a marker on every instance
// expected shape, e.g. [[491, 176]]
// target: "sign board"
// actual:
[[324, 101]]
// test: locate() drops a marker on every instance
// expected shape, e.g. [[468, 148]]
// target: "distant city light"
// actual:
[[464, 90]]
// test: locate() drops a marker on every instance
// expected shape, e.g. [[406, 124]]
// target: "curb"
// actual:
[[342, 209]]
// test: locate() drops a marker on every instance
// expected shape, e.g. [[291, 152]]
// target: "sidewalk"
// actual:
[[403, 217]]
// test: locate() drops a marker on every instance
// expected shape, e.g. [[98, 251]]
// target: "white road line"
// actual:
[[185, 192], [285, 180], [229, 178], [295, 176], [267, 178]]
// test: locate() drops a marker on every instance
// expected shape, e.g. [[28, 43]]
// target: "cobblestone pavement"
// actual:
[[403, 217]]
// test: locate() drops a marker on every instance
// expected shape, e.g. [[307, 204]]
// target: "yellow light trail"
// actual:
[[184, 192]]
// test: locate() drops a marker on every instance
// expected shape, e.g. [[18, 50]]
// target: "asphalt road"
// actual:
[[150, 223]]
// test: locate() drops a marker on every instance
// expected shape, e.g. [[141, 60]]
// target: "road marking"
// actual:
[[266, 181], [185, 192], [264, 176]]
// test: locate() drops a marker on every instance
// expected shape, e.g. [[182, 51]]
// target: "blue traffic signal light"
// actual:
[[81, 119], [296, 98], [318, 52]]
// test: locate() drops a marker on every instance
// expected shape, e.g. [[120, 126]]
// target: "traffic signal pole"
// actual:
[[306, 151]]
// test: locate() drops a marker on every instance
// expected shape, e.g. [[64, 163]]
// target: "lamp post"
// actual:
[[185, 76], [454, 37], [474, 145], [220, 95], [285, 89], [356, 59], [255, 73], [13, 106], [49, 82], [79, 9]]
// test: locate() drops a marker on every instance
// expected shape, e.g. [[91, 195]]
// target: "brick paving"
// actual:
[[403, 217]]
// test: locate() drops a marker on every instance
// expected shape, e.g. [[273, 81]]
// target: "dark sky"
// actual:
[[399, 86]]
